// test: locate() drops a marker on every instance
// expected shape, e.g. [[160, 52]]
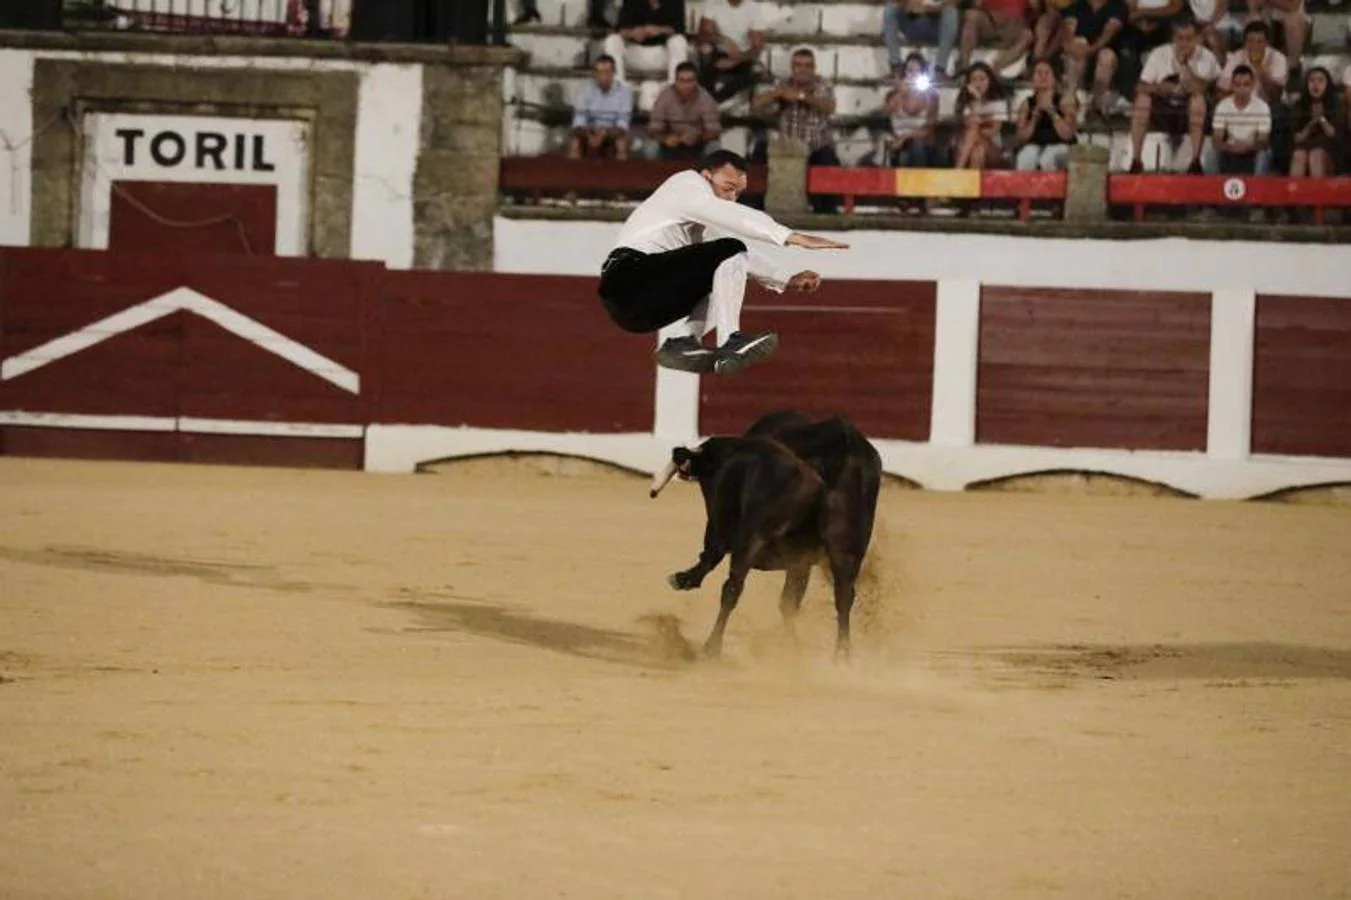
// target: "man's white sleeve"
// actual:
[[767, 270], [734, 218]]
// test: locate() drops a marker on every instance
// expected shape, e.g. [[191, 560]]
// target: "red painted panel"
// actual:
[[1260, 190], [509, 351], [151, 446], [1084, 368], [252, 450], [863, 182], [1302, 376], [863, 349], [1008, 184], [79, 443], [171, 218]]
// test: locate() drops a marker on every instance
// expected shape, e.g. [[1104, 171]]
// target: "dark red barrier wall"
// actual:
[[1077, 368], [526, 352], [1302, 376], [862, 348]]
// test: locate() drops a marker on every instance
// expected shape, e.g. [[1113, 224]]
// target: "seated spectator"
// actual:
[[684, 118], [1212, 24], [1048, 38], [1172, 93], [1147, 27], [913, 108], [1005, 20], [1092, 29], [983, 110], [650, 23], [601, 115], [1046, 124], [731, 36], [927, 22], [804, 103], [1241, 128], [1269, 65], [1294, 24], [1319, 126]]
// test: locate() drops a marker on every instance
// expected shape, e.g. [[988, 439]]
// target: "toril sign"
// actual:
[[215, 151]]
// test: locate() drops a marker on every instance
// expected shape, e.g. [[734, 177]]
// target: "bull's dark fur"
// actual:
[[785, 495]]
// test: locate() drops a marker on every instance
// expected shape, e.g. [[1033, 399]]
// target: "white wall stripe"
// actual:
[[182, 424], [1233, 320], [676, 404], [192, 301], [952, 419]]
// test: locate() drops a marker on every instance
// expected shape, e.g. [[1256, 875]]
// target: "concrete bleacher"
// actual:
[[846, 36]]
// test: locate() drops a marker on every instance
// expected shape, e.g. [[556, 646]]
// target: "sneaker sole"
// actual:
[[728, 365], [699, 364]]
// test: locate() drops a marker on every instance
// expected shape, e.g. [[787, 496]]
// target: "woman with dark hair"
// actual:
[[1319, 125], [913, 110], [1046, 123], [983, 108]]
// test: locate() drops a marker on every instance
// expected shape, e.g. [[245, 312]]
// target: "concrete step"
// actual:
[[843, 18]]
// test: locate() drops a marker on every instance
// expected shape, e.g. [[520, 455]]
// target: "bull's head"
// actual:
[[682, 463]]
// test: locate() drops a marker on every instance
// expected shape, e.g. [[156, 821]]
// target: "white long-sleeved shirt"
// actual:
[[683, 210]]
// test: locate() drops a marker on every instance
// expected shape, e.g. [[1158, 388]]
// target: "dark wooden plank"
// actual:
[[1086, 368], [128, 374], [174, 218], [863, 349], [1302, 376], [290, 452], [77, 443]]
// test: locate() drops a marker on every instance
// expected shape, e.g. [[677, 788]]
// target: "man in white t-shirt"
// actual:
[[1294, 23], [1241, 128], [730, 38], [1172, 93], [1270, 68]]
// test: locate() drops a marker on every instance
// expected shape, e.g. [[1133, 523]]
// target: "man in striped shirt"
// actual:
[[666, 268], [601, 115]]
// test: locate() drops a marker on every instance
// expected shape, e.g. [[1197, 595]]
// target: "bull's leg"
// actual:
[[731, 593], [714, 550], [844, 571], [794, 587]]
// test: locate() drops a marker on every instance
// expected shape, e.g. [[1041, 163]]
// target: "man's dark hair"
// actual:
[[1258, 27], [716, 159], [1185, 20], [686, 67], [1243, 69], [604, 58]]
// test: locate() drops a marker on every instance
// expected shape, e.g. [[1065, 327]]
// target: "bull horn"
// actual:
[[663, 478]]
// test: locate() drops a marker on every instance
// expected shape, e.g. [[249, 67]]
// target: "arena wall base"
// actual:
[[403, 448]]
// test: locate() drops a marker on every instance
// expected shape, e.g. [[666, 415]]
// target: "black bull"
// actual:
[[783, 496]]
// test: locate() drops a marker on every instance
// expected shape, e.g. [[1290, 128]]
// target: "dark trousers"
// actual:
[[645, 292]]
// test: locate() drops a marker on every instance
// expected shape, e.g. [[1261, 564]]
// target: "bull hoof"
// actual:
[[682, 581]]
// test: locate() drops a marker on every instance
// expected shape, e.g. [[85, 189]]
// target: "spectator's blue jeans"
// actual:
[[927, 29], [915, 155]]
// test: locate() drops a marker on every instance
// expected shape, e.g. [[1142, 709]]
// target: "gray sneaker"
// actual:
[[741, 350], [685, 354]]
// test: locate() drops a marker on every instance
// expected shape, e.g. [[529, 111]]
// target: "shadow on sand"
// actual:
[[664, 646], [1254, 660]]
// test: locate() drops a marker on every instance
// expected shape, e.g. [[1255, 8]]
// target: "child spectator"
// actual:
[[1319, 126], [601, 115], [1091, 31], [1046, 124], [731, 36], [983, 110], [913, 108], [926, 22], [1172, 93], [684, 117], [1242, 128], [650, 23]]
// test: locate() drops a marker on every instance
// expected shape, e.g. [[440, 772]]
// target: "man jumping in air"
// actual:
[[662, 269]]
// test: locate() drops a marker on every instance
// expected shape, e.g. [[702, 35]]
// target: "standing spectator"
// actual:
[[601, 115], [731, 36], [650, 23], [913, 108], [1211, 18], [1091, 31], [804, 103], [1319, 125], [1046, 123], [684, 118], [983, 109], [1269, 65], [1294, 24], [1242, 128], [1172, 93], [926, 22], [1006, 20]]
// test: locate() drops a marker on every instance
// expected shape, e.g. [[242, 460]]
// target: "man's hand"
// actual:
[[814, 242], [806, 282]]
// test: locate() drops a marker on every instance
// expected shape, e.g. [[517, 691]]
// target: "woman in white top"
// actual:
[[983, 109], [913, 108]]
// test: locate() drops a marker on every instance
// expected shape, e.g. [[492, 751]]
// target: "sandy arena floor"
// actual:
[[241, 683]]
